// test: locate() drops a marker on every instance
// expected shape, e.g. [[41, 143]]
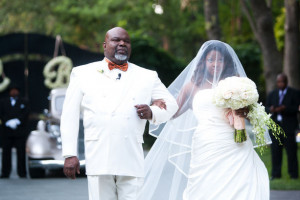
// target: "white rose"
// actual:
[[227, 94], [244, 95]]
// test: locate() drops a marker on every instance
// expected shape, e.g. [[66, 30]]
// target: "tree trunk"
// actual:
[[259, 16], [211, 14], [166, 43], [291, 42]]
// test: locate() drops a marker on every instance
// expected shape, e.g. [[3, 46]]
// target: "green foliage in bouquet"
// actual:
[[260, 120]]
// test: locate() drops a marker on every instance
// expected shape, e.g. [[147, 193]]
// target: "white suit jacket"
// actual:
[[113, 132]]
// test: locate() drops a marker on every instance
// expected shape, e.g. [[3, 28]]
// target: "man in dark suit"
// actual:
[[283, 104], [14, 115]]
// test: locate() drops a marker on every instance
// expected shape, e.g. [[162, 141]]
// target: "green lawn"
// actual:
[[285, 183]]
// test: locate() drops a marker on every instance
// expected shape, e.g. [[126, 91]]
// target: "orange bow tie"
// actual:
[[112, 66]]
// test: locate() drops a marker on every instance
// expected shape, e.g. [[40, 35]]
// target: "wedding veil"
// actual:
[[167, 163]]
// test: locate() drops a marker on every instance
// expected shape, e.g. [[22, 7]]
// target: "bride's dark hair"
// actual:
[[228, 69]]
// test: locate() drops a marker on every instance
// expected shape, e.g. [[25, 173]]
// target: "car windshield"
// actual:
[[59, 100]]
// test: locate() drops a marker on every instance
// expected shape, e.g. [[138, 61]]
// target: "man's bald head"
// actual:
[[117, 46], [114, 31]]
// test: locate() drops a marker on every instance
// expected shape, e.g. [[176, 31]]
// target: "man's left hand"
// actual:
[[143, 111], [71, 167]]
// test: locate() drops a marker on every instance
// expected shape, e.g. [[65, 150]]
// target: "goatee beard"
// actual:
[[120, 57]]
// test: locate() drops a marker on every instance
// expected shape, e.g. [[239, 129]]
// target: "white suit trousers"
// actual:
[[111, 187]]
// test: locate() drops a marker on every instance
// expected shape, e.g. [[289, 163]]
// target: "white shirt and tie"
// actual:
[[13, 101], [281, 97]]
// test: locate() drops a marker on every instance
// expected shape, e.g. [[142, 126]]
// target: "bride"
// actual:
[[195, 156]]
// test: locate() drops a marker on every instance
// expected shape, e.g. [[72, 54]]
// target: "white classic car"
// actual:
[[43, 145]]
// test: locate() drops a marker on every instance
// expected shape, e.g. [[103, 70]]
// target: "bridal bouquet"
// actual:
[[239, 92]]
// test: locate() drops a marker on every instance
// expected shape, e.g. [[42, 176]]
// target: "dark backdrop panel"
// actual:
[[37, 91], [15, 71], [11, 44], [32, 43]]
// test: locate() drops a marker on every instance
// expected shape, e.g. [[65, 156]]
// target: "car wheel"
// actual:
[[37, 172]]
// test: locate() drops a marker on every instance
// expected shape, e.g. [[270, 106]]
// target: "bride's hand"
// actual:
[[159, 103], [242, 112]]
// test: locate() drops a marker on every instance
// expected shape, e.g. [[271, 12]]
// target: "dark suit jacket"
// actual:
[[289, 116], [20, 110]]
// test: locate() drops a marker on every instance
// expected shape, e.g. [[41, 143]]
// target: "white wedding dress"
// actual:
[[221, 169]]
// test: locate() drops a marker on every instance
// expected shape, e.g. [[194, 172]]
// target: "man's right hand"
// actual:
[[280, 109], [71, 166]]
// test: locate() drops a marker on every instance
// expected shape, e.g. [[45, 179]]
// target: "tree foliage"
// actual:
[[279, 30], [180, 29]]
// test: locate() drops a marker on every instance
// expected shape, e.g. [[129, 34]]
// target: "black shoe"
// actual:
[[3, 176], [275, 177], [294, 177]]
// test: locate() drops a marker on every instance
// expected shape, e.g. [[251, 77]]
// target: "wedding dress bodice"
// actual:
[[208, 115]]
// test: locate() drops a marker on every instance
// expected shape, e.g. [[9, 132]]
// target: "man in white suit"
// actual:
[[114, 97]]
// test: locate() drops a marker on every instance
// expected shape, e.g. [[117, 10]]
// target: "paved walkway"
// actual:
[[285, 195], [64, 189], [60, 188]]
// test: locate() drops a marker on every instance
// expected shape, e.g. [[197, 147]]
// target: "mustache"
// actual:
[[123, 48]]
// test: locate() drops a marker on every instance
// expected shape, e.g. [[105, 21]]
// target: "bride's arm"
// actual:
[[184, 99], [159, 103]]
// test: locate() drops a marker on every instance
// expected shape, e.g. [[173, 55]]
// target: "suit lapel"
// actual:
[[9, 103], [118, 89], [286, 96], [103, 71], [277, 97]]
